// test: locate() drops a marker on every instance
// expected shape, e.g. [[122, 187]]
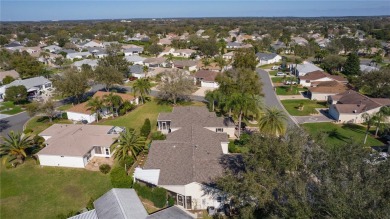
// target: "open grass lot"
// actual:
[[40, 123], [285, 90], [135, 119], [9, 108], [309, 107], [340, 134], [30, 191], [65, 107]]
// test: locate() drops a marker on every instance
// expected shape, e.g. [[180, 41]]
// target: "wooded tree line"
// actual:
[[301, 177]]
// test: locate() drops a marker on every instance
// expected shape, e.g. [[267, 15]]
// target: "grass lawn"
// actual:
[[308, 107], [135, 119], [30, 191], [9, 108], [278, 79], [65, 107], [284, 90], [340, 134], [270, 65], [272, 72], [40, 123]]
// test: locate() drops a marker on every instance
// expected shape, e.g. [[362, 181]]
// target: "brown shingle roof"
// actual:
[[329, 87], [316, 75], [11, 73], [184, 116], [206, 75], [190, 154], [125, 97], [75, 140]]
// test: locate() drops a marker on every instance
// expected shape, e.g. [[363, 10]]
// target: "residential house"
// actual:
[[93, 63], [78, 55], [304, 68], [81, 112], [312, 78], [12, 73], [35, 86], [73, 145], [125, 204], [13, 46], [165, 42], [137, 71], [228, 56], [135, 59], [234, 45], [299, 41], [206, 78], [189, 65], [279, 45], [133, 51], [98, 52], [52, 48], [106, 44], [348, 107], [191, 157], [268, 58], [186, 53], [92, 43], [156, 62], [167, 51], [324, 89]]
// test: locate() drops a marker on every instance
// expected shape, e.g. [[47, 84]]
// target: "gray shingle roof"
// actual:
[[120, 203], [86, 215], [136, 69], [190, 154], [135, 58], [30, 82], [266, 56], [184, 116], [173, 212]]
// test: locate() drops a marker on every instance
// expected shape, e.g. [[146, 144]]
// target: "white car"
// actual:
[[290, 82], [280, 74], [274, 67]]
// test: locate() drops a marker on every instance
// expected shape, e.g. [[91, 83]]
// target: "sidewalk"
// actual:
[[291, 97]]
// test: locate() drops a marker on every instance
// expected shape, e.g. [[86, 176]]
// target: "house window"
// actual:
[[180, 200], [107, 151], [188, 202], [98, 150], [219, 130], [307, 81]]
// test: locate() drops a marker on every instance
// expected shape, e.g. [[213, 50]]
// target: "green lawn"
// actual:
[[285, 90], [9, 108], [278, 79], [30, 191], [40, 123], [65, 107], [272, 72], [340, 134], [135, 119], [308, 107]]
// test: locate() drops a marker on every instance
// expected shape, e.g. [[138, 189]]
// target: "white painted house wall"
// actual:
[[307, 83], [349, 117], [80, 116], [229, 131], [201, 198], [209, 84], [61, 161], [320, 96]]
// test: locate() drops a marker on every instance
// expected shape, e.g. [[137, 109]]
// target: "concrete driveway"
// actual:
[[201, 92], [323, 116]]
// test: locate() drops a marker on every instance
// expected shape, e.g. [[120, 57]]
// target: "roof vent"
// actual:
[[355, 111], [174, 146], [196, 146]]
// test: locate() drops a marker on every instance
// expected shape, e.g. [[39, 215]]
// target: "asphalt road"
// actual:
[[270, 98], [13, 123]]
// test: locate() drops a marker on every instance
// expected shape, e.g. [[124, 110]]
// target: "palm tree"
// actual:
[[113, 101], [95, 104], [206, 62], [211, 97], [145, 69], [130, 143], [14, 146], [368, 119], [143, 87], [381, 117], [241, 103], [273, 122]]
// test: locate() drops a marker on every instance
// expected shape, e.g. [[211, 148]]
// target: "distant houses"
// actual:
[[268, 58], [35, 86]]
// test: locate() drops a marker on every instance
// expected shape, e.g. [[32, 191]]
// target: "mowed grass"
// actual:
[[30, 191], [285, 90], [9, 108], [292, 107], [135, 119], [40, 123], [340, 134]]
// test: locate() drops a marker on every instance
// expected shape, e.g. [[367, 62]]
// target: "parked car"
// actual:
[[280, 74], [290, 82], [274, 67]]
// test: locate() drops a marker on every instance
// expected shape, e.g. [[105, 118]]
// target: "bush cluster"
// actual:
[[120, 179], [104, 168], [146, 128], [127, 162], [157, 195], [158, 136]]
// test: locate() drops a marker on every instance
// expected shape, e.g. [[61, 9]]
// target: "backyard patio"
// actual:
[[95, 162]]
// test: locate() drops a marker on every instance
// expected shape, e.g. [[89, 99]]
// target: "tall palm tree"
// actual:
[[380, 118], [95, 105], [143, 87], [14, 146], [273, 122], [212, 97], [130, 143], [241, 103], [368, 119], [113, 101]]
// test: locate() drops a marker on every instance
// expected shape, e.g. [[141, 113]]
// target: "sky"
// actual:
[[32, 10]]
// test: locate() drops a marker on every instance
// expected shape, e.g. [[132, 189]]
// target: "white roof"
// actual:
[[135, 58], [307, 67], [30, 82]]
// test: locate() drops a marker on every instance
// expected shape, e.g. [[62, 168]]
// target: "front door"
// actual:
[[180, 200]]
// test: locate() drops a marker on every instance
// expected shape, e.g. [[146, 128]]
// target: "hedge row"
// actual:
[[157, 195], [120, 179]]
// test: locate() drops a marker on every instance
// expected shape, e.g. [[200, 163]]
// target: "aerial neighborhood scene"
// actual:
[[220, 109]]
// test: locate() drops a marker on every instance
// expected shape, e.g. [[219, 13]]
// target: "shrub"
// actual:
[[145, 130], [232, 147], [104, 168], [127, 162], [158, 136], [64, 116], [27, 131], [157, 195], [171, 201], [120, 179]]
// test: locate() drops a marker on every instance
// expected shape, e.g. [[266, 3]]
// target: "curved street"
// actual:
[[270, 98]]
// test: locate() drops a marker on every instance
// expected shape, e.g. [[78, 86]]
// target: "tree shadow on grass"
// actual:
[[336, 135], [354, 128]]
